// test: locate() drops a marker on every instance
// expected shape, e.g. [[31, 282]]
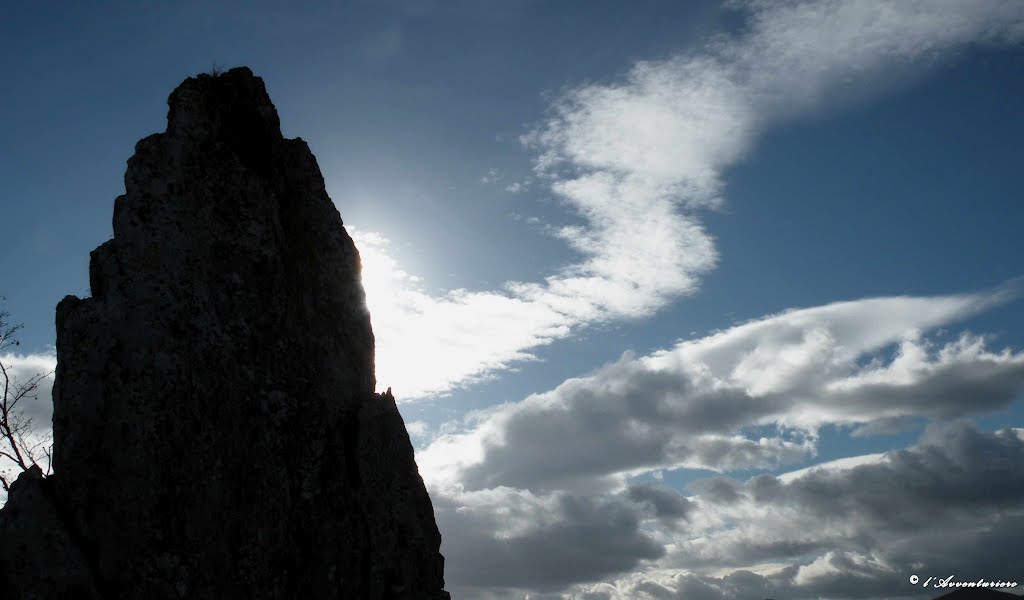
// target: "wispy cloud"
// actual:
[[636, 159], [428, 344]]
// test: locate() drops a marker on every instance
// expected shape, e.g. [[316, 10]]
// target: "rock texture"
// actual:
[[216, 431]]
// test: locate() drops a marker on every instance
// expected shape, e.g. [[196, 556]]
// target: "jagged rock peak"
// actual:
[[216, 432], [232, 107]]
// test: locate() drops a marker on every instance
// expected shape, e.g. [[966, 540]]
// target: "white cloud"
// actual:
[[634, 158], [431, 344], [418, 430], [840, 464], [702, 403], [427, 344]]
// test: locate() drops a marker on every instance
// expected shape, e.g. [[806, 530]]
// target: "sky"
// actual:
[[679, 300]]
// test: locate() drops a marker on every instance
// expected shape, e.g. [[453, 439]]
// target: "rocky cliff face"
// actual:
[[216, 431]]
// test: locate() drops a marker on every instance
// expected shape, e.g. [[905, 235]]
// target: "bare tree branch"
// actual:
[[16, 430]]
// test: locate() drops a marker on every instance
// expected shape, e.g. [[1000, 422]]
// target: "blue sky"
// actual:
[[631, 266]]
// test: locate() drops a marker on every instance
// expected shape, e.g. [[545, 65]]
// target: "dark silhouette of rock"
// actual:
[[216, 431], [38, 556]]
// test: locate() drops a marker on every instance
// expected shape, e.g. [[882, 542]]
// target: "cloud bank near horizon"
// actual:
[[560, 493], [636, 159], [840, 530]]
